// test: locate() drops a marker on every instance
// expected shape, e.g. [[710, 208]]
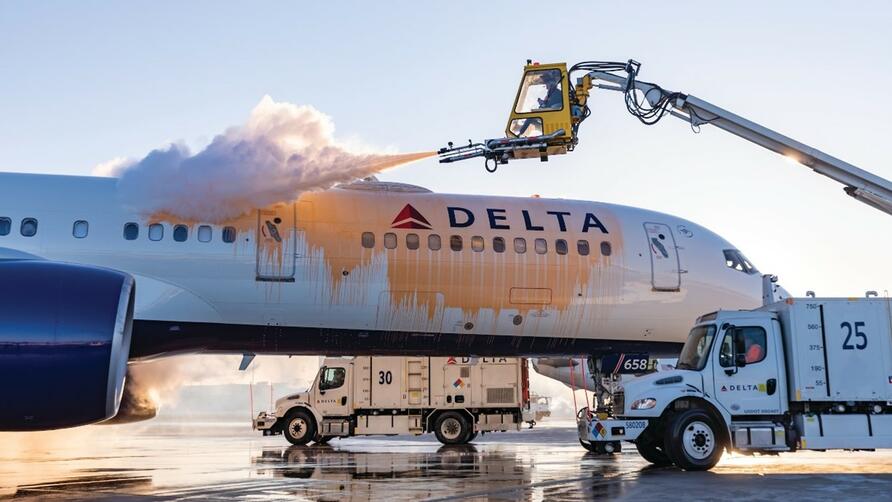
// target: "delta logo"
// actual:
[[746, 387], [409, 217], [500, 219]]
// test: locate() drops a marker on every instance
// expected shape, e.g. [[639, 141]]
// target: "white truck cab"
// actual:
[[454, 397], [804, 373]]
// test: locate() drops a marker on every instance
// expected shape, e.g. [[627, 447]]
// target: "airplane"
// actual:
[[371, 267]]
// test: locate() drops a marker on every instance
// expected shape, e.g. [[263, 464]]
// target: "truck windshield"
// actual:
[[695, 352]]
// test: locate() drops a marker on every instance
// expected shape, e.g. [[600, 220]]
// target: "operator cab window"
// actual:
[[29, 227], [540, 91], [332, 378], [735, 259], [749, 340], [5, 225]]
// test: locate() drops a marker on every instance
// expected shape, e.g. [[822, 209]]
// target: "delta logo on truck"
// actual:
[[744, 387]]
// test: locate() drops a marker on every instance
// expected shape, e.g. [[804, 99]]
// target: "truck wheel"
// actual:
[[452, 428], [693, 441], [653, 453], [300, 428]]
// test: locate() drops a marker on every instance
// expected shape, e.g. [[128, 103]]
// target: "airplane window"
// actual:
[[5, 224], [560, 246], [29, 227], [541, 246], [412, 241], [368, 240], [131, 231], [390, 240], [229, 234], [477, 243], [455, 243], [498, 244], [606, 248], [180, 233], [81, 229], [735, 259], [433, 242], [156, 232], [582, 248], [205, 233], [520, 245]]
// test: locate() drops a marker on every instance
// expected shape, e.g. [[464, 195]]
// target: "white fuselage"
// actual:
[[362, 264]]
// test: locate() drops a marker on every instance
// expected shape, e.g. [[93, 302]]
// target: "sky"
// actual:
[[82, 83]]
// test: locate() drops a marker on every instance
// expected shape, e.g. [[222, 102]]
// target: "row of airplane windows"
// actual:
[[81, 228], [456, 243]]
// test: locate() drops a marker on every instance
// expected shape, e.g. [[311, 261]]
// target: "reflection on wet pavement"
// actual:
[[213, 461]]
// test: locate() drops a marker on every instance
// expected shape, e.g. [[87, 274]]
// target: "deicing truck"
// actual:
[[454, 397], [799, 374]]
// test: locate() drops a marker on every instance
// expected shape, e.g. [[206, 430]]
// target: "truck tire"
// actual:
[[300, 427], [693, 440], [653, 453], [452, 428], [471, 437]]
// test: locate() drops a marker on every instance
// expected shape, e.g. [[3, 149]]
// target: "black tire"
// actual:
[[452, 428], [299, 427], [693, 440], [471, 437], [653, 453]]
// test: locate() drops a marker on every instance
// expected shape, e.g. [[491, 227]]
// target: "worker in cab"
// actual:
[[755, 352], [553, 99]]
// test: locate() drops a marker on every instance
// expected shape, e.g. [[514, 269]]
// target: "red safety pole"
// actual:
[[573, 387], [585, 387]]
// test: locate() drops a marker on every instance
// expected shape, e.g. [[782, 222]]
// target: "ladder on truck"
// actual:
[[415, 383]]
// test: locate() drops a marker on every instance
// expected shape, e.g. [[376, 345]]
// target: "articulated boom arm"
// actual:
[[548, 111], [860, 184]]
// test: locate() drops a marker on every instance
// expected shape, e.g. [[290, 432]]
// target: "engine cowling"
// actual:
[[64, 343]]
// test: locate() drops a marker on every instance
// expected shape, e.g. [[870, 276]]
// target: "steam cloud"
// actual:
[[282, 150]]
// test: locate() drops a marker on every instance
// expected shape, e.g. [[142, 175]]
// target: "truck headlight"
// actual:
[[644, 404]]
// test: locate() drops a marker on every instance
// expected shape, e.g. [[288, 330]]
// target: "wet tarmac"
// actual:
[[212, 461]]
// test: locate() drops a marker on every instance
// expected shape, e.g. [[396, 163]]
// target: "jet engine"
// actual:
[[64, 343]]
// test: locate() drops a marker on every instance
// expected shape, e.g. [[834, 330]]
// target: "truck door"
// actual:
[[751, 388], [276, 239], [332, 394], [664, 266]]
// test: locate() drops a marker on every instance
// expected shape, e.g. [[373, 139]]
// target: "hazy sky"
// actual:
[[85, 82]]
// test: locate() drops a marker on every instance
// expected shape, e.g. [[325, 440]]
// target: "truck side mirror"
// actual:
[[739, 349]]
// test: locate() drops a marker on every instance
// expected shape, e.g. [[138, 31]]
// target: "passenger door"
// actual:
[[332, 394], [752, 389], [276, 238], [664, 265]]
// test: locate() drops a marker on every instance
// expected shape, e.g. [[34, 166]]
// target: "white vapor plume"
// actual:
[[282, 150]]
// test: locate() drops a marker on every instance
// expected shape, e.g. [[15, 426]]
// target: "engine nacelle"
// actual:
[[64, 343]]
